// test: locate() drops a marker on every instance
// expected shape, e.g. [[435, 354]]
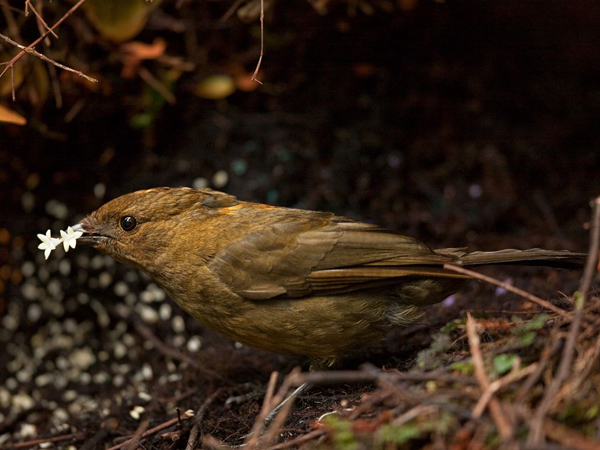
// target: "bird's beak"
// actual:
[[90, 235]]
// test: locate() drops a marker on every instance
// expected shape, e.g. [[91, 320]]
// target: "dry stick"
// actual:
[[536, 434], [43, 57], [262, 41], [30, 47], [28, 6], [266, 408], [504, 427], [496, 385], [134, 442], [297, 441], [108, 426], [64, 437], [193, 439], [233, 8], [151, 81], [185, 416], [508, 287], [568, 437], [361, 376]]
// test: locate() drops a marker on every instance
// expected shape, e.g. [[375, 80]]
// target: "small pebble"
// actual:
[[178, 324], [57, 209], [64, 267], [28, 269], [200, 183], [28, 201], [475, 191], [220, 179], [34, 312], [121, 289], [194, 344], [28, 430], [136, 412], [99, 190], [164, 311], [147, 313]]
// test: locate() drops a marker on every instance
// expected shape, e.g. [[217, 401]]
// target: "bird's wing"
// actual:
[[318, 253]]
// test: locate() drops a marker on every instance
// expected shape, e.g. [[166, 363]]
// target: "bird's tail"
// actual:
[[563, 259]]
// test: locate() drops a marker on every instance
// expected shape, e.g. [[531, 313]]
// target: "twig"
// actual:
[[185, 416], [232, 9], [262, 41], [568, 437], [508, 287], [193, 439], [10, 64], [108, 426], [258, 426], [151, 80], [30, 50], [504, 427], [134, 442], [64, 437], [297, 441], [28, 6], [362, 376], [536, 434], [496, 385]]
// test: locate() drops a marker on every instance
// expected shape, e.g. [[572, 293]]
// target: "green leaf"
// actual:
[[504, 363]]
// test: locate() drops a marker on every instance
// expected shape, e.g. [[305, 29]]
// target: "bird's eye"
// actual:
[[128, 223]]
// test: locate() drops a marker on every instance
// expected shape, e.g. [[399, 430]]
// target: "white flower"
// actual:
[[48, 243], [69, 238]]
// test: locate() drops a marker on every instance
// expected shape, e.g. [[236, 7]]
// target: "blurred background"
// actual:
[[462, 123]]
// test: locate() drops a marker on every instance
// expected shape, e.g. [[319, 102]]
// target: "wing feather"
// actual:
[[296, 253]]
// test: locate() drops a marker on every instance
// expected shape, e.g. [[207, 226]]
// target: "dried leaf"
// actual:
[[9, 116], [119, 20], [216, 87]]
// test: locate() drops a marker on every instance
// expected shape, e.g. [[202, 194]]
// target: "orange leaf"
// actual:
[[9, 116]]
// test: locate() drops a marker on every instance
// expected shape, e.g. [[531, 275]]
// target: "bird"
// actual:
[[285, 280]]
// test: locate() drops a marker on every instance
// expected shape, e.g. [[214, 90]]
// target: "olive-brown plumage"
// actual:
[[286, 280]]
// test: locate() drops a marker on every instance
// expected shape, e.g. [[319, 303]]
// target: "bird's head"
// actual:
[[139, 228]]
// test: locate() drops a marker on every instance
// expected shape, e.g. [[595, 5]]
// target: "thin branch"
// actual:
[[30, 48], [262, 41], [537, 431], [28, 5], [508, 287], [134, 442], [64, 437], [504, 427], [193, 439], [169, 423]]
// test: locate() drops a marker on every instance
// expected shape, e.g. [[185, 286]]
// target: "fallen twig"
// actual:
[[185, 416], [134, 442], [543, 303], [64, 437], [503, 425], [193, 439], [537, 430]]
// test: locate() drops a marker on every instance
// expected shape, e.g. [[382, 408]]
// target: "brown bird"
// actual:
[[285, 280]]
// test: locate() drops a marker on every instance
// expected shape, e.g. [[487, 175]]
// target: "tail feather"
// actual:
[[532, 257]]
